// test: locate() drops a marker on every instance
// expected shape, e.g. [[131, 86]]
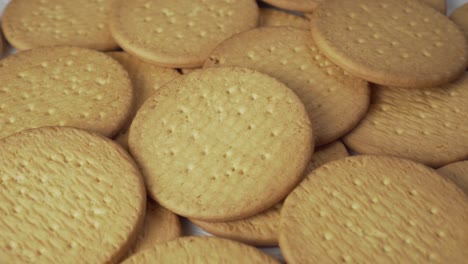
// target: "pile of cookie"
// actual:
[[240, 119]]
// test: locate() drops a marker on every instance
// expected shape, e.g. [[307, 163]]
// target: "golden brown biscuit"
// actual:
[[2, 44], [335, 101], [221, 143], [161, 225], [295, 5], [32, 24], [457, 172], [374, 209], [439, 5], [397, 43], [67, 195], [460, 17], [263, 229], [425, 125], [201, 250], [63, 86], [146, 78], [179, 34], [270, 17]]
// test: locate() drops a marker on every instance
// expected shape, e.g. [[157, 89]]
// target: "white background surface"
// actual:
[[190, 229]]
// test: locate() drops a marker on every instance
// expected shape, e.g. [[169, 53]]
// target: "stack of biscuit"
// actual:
[[334, 129]]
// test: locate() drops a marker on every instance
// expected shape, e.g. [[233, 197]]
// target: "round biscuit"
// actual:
[[397, 43], [31, 24], [460, 18], [374, 209], [221, 143], [201, 250], [179, 34], [426, 125], [146, 79], [335, 101], [67, 195], [262, 229], [270, 17], [63, 86], [160, 225], [295, 5], [456, 172]]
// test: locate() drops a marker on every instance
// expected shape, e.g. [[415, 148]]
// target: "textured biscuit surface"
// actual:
[[161, 225], [179, 33], [439, 5], [67, 196], [270, 17], [295, 5], [263, 229], [396, 43], [63, 87], [457, 172], [426, 125], [146, 78], [335, 101], [371, 209], [31, 24], [221, 143], [201, 250], [460, 17]]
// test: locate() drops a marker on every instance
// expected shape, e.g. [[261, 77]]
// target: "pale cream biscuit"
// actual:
[[32, 24], [397, 43], [201, 250], [67, 195], [146, 78], [270, 17], [63, 86], [375, 209], [263, 229], [460, 17], [335, 101], [161, 225], [457, 172], [179, 34], [426, 125], [295, 5], [221, 143]]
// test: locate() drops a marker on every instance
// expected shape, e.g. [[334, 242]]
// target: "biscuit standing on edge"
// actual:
[[425, 125], [221, 143], [295, 5], [63, 86], [460, 18], [335, 101], [179, 34], [31, 24], [262, 229], [201, 250], [270, 17], [396, 43], [161, 225], [375, 209], [67, 195], [2, 45], [457, 172], [439, 5], [146, 78]]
